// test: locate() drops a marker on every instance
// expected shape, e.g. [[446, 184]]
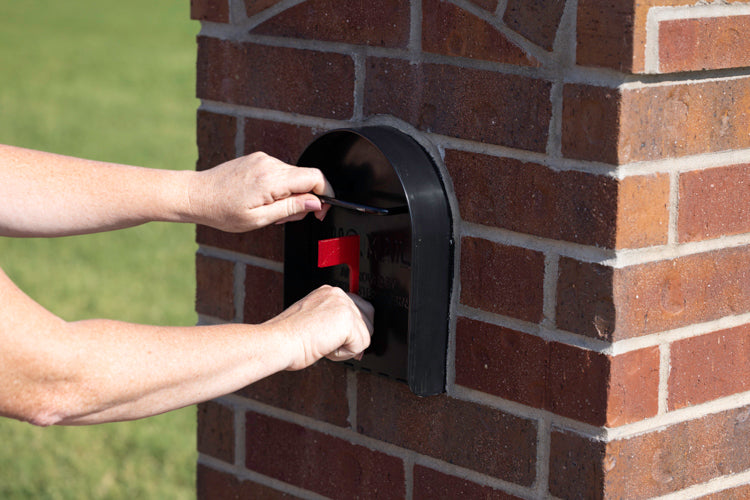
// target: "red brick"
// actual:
[[484, 106], [216, 134], [714, 203], [576, 383], [210, 10], [284, 141], [462, 433], [253, 7], [430, 484], [642, 211], [668, 121], [709, 366], [489, 5], [267, 242], [452, 31], [738, 493], [537, 20], [214, 287], [321, 463], [590, 128], [605, 33], [602, 302], [383, 23], [215, 485], [585, 300], [704, 43], [264, 294], [566, 380], [651, 464], [299, 81], [502, 362], [318, 391], [576, 467], [655, 122], [675, 293], [502, 279], [216, 431], [570, 206], [685, 454]]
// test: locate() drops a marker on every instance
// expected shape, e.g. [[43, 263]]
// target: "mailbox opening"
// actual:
[[389, 194]]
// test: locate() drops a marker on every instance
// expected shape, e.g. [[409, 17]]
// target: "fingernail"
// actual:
[[312, 205]]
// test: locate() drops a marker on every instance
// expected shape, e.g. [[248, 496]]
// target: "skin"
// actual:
[[95, 371]]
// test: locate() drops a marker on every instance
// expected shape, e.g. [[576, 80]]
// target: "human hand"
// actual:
[[326, 323], [254, 191]]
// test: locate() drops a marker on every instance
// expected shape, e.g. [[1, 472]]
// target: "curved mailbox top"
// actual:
[[389, 193]]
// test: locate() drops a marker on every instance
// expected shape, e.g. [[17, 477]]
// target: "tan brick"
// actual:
[[714, 203], [709, 366], [384, 23], [451, 30]]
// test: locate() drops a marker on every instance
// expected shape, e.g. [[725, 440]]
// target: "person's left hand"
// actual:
[[254, 191]]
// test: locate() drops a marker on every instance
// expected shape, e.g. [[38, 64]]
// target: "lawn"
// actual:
[[110, 81]]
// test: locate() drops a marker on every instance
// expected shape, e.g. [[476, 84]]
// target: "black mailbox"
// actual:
[[392, 204]]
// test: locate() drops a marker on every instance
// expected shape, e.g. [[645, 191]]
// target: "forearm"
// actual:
[[46, 194], [103, 371]]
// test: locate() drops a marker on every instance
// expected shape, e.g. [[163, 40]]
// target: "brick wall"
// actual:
[[597, 156]]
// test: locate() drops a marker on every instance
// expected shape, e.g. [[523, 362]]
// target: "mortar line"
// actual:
[[244, 474], [238, 289], [375, 444], [544, 440], [674, 208], [241, 258], [715, 485], [239, 138], [665, 366], [549, 287], [669, 165], [351, 396]]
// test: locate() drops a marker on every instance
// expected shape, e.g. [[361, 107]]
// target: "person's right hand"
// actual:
[[254, 191], [327, 323]]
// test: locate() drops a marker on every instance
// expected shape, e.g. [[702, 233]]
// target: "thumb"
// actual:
[[295, 207]]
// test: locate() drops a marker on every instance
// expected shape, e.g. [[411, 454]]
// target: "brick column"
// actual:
[[596, 153]]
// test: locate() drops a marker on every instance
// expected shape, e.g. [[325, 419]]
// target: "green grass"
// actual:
[[110, 81]]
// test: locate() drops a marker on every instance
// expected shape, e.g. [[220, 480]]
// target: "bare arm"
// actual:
[[55, 372], [45, 194]]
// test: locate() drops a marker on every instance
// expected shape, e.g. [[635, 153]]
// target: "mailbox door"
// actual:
[[405, 248]]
